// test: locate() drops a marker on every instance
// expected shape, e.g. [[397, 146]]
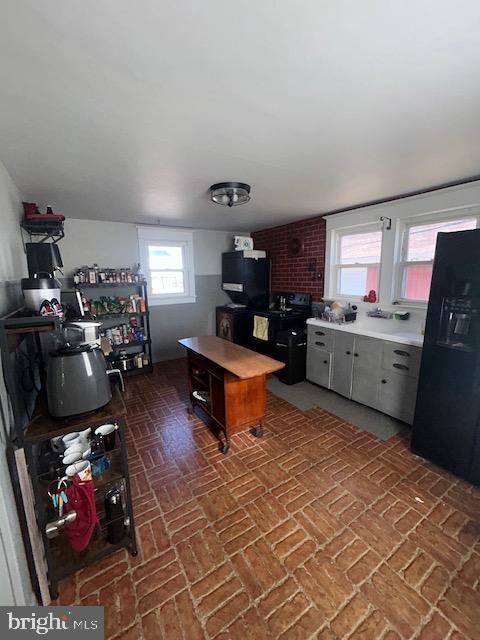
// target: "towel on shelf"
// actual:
[[260, 328]]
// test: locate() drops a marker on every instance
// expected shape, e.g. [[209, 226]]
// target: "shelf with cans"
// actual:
[[118, 298]]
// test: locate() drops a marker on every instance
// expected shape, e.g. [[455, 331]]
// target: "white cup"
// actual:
[[81, 467], [76, 448], [71, 438], [72, 457], [105, 429], [84, 435]]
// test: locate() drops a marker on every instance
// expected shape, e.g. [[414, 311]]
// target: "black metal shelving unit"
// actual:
[[31, 430], [43, 231], [109, 319], [61, 560]]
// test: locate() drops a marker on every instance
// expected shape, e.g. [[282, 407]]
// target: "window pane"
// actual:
[[357, 281], [423, 237], [164, 257], [167, 282], [360, 248], [417, 280]]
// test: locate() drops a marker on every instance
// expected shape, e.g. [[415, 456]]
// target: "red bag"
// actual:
[[81, 498]]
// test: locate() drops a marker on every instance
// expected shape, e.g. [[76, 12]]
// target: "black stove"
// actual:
[[287, 311]]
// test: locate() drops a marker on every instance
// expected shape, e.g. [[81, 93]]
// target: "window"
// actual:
[[357, 261], [167, 260], [418, 250]]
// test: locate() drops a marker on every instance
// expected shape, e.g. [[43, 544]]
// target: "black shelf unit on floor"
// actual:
[[109, 318], [61, 560], [30, 430]]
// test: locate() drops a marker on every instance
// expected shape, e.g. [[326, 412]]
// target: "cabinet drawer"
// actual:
[[320, 337], [319, 365], [401, 358]]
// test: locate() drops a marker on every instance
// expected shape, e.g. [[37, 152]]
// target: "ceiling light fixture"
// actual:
[[230, 194]]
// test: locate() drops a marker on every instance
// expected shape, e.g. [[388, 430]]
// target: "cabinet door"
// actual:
[[342, 363], [397, 395], [318, 366], [367, 355]]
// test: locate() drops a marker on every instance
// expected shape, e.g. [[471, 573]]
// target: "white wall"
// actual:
[[13, 265], [15, 587], [115, 244]]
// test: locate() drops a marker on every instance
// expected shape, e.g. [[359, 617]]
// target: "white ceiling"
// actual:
[[131, 109]]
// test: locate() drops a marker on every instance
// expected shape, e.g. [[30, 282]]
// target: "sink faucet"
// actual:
[[378, 313]]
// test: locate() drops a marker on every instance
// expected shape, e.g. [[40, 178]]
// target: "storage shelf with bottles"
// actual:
[[127, 299], [108, 284]]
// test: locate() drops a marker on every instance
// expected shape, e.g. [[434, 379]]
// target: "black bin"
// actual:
[[291, 348]]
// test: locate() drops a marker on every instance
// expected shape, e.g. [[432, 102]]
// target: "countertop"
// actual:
[[243, 363], [402, 337]]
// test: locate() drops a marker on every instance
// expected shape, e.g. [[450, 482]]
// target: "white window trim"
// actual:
[[175, 238], [333, 250], [392, 247], [401, 255]]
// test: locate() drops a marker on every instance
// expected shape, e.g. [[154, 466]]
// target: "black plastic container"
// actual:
[[115, 516]]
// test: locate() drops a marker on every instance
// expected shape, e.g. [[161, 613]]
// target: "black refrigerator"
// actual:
[[446, 426], [246, 280]]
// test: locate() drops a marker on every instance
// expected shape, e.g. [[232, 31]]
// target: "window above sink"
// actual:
[[392, 255]]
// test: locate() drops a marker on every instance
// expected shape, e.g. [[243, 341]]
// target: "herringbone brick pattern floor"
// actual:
[[316, 530]]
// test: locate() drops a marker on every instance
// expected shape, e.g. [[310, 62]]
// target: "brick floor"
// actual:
[[316, 530]]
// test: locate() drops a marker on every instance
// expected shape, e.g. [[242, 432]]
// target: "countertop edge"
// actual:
[[184, 342], [353, 328]]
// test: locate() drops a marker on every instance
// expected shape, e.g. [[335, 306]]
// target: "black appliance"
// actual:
[[286, 310], [233, 324], [115, 516], [291, 348], [246, 277], [43, 257], [72, 304], [446, 427]]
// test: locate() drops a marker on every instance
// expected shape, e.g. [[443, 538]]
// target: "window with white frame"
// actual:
[[166, 257], [418, 250], [357, 261]]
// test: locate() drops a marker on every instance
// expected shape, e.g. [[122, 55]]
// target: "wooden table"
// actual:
[[232, 380]]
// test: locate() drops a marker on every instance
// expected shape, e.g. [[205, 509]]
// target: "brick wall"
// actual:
[[291, 273]]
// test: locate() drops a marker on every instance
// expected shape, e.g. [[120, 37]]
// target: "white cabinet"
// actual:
[[343, 364], [374, 372], [397, 394], [367, 354], [319, 367]]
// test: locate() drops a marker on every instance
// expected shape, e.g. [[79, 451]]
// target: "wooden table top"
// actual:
[[45, 426], [243, 363]]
